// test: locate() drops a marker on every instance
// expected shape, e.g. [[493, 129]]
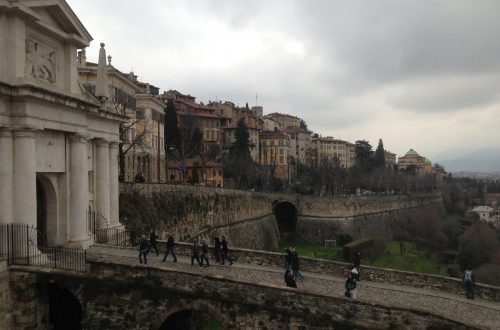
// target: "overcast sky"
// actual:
[[418, 74]]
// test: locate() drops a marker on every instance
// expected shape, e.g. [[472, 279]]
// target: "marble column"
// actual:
[[6, 176], [24, 197], [102, 178], [79, 192], [113, 185]]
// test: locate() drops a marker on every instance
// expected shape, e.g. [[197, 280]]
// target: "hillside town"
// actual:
[[280, 142]]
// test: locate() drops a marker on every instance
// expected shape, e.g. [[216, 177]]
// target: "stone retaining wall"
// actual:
[[5, 307], [117, 296]]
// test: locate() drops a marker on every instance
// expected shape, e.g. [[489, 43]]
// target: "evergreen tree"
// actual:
[[379, 155], [364, 158], [303, 124], [242, 144]]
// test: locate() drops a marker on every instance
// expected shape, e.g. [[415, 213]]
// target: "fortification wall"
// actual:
[[363, 216], [247, 218], [193, 211]]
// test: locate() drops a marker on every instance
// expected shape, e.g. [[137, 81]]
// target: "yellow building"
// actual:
[[414, 161], [142, 137], [274, 153]]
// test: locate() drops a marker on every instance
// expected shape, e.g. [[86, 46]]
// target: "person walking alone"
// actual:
[[225, 251], [296, 265], [143, 249], [469, 283], [152, 242], [356, 260], [217, 249], [350, 286], [289, 280], [170, 248], [196, 253]]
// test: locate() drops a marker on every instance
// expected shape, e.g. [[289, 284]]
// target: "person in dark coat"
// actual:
[[288, 257], [152, 242], [296, 265], [289, 280], [217, 249], [204, 253], [196, 253], [225, 252], [170, 248], [143, 249]]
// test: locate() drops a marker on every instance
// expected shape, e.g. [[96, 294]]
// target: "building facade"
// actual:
[[413, 161], [141, 149], [58, 145], [329, 148], [284, 120], [274, 153]]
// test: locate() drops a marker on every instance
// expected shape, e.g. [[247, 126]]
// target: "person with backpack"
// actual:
[[469, 283], [170, 248], [350, 286], [143, 249]]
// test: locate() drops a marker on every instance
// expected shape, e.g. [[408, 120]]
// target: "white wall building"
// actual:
[[58, 146]]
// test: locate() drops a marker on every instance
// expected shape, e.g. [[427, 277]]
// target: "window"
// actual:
[[139, 113]]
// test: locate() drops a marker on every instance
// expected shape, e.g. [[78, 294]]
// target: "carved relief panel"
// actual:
[[40, 61]]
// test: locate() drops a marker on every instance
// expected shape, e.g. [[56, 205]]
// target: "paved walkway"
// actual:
[[481, 313]]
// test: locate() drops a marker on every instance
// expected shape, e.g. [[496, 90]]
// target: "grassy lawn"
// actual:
[[412, 260], [305, 249]]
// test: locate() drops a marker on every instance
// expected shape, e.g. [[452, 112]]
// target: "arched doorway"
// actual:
[[190, 319], [46, 210], [65, 311], [286, 217]]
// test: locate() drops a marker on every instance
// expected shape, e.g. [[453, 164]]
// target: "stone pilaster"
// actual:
[[6, 176], [102, 178], [24, 197], [79, 198], [113, 185]]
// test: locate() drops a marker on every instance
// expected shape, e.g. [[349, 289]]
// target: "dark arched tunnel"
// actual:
[[286, 217]]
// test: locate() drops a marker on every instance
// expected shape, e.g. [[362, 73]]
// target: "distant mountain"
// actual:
[[485, 160]]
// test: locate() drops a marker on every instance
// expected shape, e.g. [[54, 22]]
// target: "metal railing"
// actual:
[[23, 245], [117, 236]]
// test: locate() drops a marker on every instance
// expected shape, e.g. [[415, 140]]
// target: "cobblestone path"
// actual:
[[480, 313]]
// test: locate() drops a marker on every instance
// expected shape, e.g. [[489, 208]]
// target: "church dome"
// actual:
[[411, 153]]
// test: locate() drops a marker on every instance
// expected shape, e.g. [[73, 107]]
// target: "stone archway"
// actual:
[[190, 319], [46, 200], [65, 311], [286, 216]]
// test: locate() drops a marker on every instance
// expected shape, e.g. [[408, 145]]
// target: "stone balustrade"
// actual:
[[337, 268]]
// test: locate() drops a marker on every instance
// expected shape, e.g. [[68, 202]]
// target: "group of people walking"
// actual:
[[199, 252]]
